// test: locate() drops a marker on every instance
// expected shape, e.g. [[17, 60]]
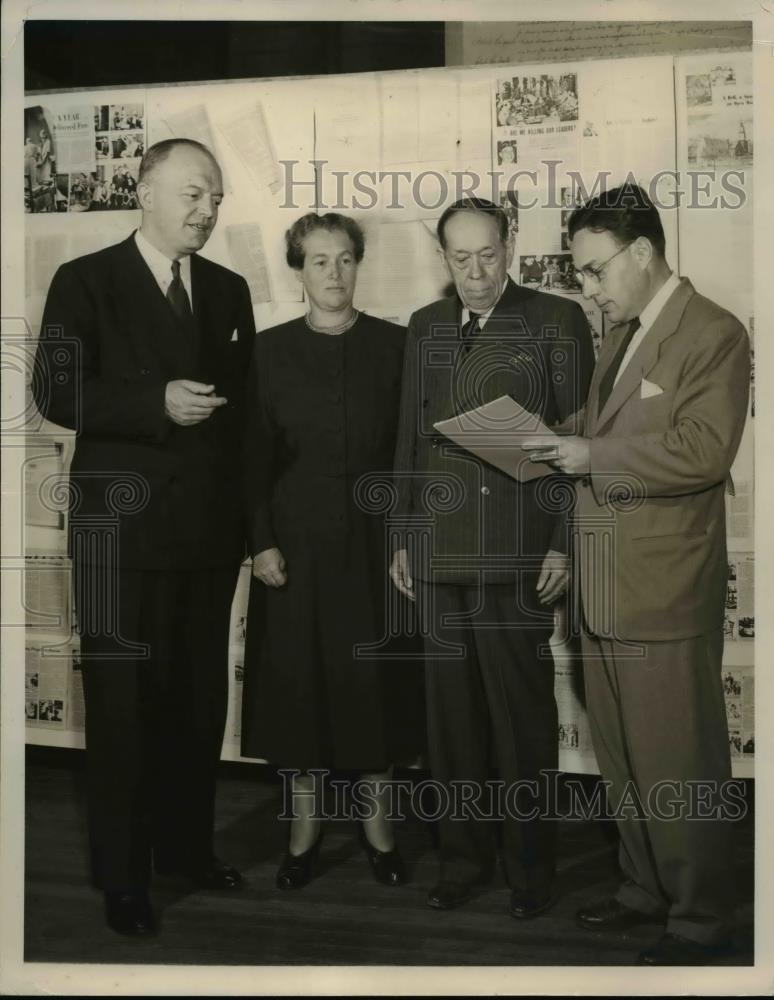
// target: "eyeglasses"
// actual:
[[598, 273]]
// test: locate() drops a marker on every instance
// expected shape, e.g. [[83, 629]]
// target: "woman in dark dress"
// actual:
[[323, 413]]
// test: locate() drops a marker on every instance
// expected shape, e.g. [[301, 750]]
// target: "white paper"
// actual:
[[43, 470], [739, 625], [715, 142], [46, 688], [347, 123], [46, 593], [495, 432], [245, 244], [400, 118], [401, 269], [74, 138], [739, 693], [248, 135], [480, 42], [739, 513], [43, 256], [194, 123], [191, 123], [438, 118]]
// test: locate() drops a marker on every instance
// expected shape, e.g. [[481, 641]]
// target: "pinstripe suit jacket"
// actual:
[[479, 524]]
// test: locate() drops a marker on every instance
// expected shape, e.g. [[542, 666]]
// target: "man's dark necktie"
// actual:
[[471, 329], [608, 379], [177, 296]]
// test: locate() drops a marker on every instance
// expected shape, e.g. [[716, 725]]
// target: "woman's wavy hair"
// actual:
[[295, 236]]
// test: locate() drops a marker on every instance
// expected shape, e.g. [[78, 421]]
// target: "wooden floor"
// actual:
[[343, 917]]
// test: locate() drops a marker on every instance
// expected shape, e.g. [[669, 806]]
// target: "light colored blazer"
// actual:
[[650, 531]]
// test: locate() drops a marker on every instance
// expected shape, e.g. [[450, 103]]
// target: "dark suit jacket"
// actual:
[[536, 348], [659, 464], [109, 344]]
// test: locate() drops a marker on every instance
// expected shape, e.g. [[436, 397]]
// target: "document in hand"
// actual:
[[496, 432]]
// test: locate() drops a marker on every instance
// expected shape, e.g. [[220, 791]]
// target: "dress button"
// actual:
[[144, 371], [485, 490]]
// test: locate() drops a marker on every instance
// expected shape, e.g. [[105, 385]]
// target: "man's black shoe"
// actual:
[[130, 913], [217, 876], [610, 915], [448, 895], [528, 903]]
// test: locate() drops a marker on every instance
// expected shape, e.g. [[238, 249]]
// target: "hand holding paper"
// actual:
[[568, 454], [540, 450]]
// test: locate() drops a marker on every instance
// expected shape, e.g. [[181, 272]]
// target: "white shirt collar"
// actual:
[[483, 317], [161, 266], [649, 314], [648, 317]]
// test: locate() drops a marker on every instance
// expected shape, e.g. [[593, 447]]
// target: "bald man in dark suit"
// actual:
[[143, 351]]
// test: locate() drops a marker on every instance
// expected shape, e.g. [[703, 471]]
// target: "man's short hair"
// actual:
[[159, 151], [474, 205], [626, 212], [331, 222]]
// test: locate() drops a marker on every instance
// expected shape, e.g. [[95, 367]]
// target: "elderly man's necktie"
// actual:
[[471, 328], [608, 379], [177, 296]]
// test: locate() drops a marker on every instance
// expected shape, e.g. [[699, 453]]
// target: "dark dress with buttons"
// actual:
[[324, 685]]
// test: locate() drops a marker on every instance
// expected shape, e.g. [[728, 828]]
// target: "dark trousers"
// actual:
[[494, 704], [154, 721], [658, 720]]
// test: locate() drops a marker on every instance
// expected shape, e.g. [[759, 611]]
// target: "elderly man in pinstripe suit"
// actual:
[[496, 558]]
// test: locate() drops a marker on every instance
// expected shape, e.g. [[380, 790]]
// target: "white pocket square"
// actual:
[[234, 336], [648, 389]]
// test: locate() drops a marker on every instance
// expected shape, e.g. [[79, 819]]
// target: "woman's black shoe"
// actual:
[[296, 869], [387, 866]]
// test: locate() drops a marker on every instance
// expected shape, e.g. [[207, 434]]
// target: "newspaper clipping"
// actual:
[[83, 158], [740, 597], [738, 684]]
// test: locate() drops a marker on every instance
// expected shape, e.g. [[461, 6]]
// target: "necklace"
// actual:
[[332, 330]]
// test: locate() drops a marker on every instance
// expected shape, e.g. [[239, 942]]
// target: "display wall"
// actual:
[[393, 150]]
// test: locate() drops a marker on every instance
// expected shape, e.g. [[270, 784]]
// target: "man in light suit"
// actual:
[[495, 558], [663, 422], [143, 351]]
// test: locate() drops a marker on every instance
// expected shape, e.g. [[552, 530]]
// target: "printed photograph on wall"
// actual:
[[84, 158], [549, 272], [39, 162], [534, 100]]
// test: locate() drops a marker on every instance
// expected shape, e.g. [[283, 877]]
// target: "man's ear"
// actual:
[[643, 251], [442, 254], [144, 196]]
